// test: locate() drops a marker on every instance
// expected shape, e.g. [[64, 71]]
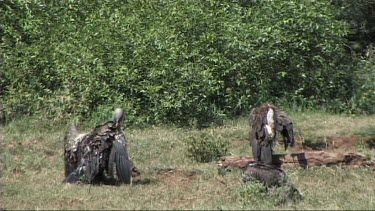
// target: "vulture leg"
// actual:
[[254, 146], [256, 150], [266, 153]]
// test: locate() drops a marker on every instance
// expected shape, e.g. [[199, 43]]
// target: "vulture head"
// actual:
[[118, 117]]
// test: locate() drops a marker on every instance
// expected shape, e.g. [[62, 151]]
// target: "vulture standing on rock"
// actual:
[[266, 121], [98, 155]]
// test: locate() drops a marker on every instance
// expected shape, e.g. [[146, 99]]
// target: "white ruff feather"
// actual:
[[270, 122]]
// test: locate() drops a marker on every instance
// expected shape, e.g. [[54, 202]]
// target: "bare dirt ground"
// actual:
[[171, 176], [180, 177]]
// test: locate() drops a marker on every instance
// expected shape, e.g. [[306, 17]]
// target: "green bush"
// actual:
[[253, 193], [206, 147], [184, 62], [256, 193], [364, 97], [252, 190]]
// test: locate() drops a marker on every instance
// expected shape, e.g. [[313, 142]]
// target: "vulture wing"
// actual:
[[120, 159], [88, 155], [284, 125]]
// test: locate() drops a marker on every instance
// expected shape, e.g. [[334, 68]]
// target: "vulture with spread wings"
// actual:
[[266, 122], [98, 155]]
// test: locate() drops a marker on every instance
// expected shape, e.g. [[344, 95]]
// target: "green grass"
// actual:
[[369, 130], [34, 170], [317, 126]]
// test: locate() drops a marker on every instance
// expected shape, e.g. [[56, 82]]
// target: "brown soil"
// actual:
[[178, 177], [18, 172]]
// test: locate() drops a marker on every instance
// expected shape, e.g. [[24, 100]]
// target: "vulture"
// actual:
[[266, 122], [99, 155]]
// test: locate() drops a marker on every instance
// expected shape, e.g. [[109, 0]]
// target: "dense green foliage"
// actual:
[[187, 62], [361, 42], [361, 14]]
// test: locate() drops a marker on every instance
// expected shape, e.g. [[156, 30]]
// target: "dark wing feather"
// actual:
[[122, 163], [285, 126]]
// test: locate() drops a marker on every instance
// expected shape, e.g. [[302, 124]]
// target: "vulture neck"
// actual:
[[270, 126]]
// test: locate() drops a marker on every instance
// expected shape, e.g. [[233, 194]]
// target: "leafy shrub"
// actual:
[[185, 62], [253, 193], [206, 147], [252, 190], [256, 193], [364, 98]]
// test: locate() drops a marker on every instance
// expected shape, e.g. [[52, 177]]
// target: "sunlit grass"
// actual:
[[34, 170]]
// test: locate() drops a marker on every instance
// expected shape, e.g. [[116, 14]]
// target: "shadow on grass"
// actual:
[[114, 182], [108, 182]]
